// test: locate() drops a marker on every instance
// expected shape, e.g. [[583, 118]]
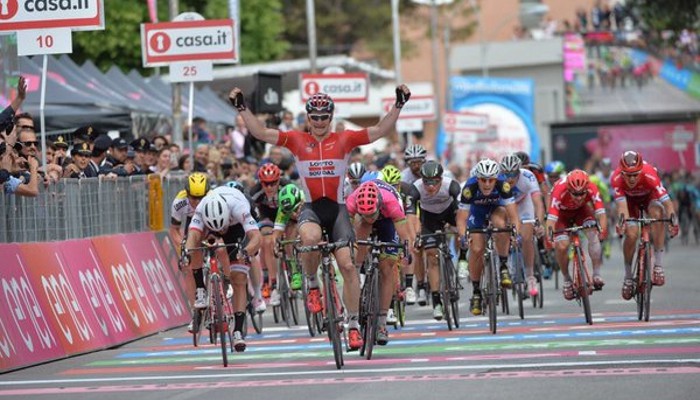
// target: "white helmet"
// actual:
[[510, 163], [414, 151], [215, 212], [356, 170], [487, 168]]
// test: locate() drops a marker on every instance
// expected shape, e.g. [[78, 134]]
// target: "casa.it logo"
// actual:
[[160, 42], [8, 9]]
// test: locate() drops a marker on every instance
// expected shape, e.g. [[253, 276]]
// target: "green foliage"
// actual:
[[668, 15]]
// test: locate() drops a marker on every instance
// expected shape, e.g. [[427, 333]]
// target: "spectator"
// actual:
[[184, 164], [11, 163], [141, 148], [201, 158], [162, 166], [160, 142], [26, 135], [238, 138], [98, 164], [199, 131], [287, 123], [117, 152], [9, 111], [80, 157]]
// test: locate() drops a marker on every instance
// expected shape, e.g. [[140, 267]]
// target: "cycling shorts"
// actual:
[[331, 216]]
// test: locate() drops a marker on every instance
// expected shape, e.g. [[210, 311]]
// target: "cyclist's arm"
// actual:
[[254, 241], [512, 211], [462, 217], [194, 239], [257, 129], [386, 124], [406, 234], [175, 234]]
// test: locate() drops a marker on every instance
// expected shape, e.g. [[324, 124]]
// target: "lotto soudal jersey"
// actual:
[[322, 164], [181, 209]]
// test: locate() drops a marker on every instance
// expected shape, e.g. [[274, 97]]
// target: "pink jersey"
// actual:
[[391, 206], [648, 186], [562, 200], [322, 165]]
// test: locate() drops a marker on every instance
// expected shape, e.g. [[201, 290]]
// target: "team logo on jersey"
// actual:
[[466, 193], [506, 187]]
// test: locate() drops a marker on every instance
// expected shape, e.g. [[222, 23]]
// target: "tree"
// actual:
[[668, 15]]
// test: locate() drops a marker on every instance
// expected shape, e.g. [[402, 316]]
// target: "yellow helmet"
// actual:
[[197, 185]]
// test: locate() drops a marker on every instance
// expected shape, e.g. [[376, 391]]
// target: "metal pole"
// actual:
[[311, 29], [448, 91], [235, 13], [436, 73], [190, 108], [173, 10], [42, 103], [397, 41]]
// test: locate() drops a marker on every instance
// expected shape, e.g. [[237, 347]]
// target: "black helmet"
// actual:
[[524, 157], [431, 169]]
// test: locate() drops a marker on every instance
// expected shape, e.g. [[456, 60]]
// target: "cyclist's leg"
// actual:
[[309, 228], [526, 212], [268, 259], [477, 245], [629, 243], [498, 219], [342, 231], [658, 237], [238, 275], [294, 269], [587, 218], [387, 287]]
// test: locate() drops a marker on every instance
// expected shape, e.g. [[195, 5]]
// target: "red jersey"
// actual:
[[648, 186], [322, 165], [562, 200]]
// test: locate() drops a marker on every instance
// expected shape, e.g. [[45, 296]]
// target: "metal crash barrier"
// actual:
[[81, 208]]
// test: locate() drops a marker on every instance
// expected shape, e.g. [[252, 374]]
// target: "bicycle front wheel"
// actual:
[[372, 313], [453, 292], [334, 321], [219, 324], [583, 288], [647, 282], [492, 288], [445, 290]]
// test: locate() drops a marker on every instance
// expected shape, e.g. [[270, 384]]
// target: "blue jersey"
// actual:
[[471, 196]]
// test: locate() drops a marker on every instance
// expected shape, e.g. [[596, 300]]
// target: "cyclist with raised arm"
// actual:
[[408, 194], [636, 185], [437, 199], [379, 210], [353, 179], [290, 202], [485, 197], [264, 195], [321, 157], [576, 201], [181, 212], [528, 199], [225, 213]]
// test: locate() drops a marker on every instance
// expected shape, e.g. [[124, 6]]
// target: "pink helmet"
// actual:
[[368, 198]]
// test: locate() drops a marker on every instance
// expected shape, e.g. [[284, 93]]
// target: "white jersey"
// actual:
[[408, 177], [446, 196], [347, 188], [181, 210], [238, 205], [526, 185]]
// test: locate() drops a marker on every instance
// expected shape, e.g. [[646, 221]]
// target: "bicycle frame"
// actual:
[[288, 304], [582, 281], [449, 282]]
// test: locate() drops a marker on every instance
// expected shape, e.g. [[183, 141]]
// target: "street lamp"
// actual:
[[526, 9]]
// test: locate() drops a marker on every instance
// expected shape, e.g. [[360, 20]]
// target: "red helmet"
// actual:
[[320, 102], [367, 199], [269, 172], [577, 181], [631, 162]]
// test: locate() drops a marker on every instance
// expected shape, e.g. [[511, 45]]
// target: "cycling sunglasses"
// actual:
[[320, 117], [431, 182], [487, 180], [632, 175], [268, 184], [578, 194]]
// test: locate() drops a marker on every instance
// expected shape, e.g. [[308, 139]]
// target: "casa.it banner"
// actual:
[[509, 105], [65, 298]]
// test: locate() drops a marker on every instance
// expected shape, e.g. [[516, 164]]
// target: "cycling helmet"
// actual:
[[486, 168], [577, 181], [431, 169], [215, 212], [392, 175], [289, 198], [236, 185], [510, 163], [269, 172], [368, 198], [524, 157], [554, 168], [371, 175], [197, 185], [631, 162], [414, 151], [320, 102], [356, 170]]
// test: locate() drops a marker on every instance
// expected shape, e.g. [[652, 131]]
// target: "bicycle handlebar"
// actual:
[[382, 245], [323, 246], [576, 229], [490, 230], [646, 221]]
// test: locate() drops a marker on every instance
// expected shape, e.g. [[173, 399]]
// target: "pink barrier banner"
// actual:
[[28, 334], [105, 312], [170, 256]]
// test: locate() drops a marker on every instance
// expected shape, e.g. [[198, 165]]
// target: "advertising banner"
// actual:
[[509, 104], [27, 331]]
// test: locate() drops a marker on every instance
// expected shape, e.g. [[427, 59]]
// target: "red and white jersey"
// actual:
[[322, 165], [649, 185], [562, 200]]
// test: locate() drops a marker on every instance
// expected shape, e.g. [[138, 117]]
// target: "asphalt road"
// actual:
[[550, 354]]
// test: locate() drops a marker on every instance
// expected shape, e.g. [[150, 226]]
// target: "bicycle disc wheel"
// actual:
[[583, 291], [219, 324], [647, 282]]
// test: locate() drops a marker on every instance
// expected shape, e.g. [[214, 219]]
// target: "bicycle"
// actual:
[[334, 311], [449, 280], [517, 264], [398, 299], [490, 289], [582, 282], [218, 314], [642, 271], [370, 295], [288, 309]]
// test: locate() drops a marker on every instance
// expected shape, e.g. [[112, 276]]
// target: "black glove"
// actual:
[[238, 102], [401, 97]]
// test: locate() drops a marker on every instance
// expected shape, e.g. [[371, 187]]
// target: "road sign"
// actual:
[[193, 71], [166, 42], [465, 121], [353, 87], [418, 107], [16, 15], [44, 41]]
